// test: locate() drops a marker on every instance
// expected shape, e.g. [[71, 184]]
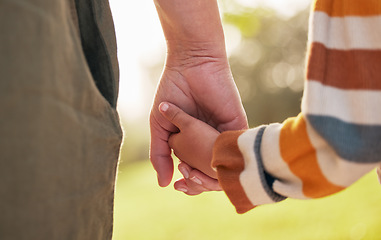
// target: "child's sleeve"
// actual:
[[336, 138]]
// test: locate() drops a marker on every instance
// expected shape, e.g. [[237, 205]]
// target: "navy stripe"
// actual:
[[266, 179], [352, 142]]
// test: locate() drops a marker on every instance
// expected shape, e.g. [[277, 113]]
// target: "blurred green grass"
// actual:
[[143, 210]]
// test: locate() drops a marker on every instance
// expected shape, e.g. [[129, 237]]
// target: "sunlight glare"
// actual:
[[138, 34]]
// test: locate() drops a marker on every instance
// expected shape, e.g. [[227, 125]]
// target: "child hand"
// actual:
[[193, 144]]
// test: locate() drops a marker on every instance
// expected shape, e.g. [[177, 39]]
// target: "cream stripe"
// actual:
[[337, 170], [249, 178], [287, 184], [345, 33], [353, 106]]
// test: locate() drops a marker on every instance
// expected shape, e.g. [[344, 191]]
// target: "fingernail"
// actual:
[[158, 180], [196, 180], [164, 107], [184, 172], [182, 189]]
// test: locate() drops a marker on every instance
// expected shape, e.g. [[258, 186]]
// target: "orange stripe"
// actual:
[[228, 160], [298, 152], [341, 8], [345, 69]]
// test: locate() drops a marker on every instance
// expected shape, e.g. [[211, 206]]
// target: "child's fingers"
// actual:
[[175, 115]]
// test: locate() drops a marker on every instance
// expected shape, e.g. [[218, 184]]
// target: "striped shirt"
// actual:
[[336, 138]]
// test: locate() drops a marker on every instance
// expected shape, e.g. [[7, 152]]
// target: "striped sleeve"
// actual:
[[336, 139]]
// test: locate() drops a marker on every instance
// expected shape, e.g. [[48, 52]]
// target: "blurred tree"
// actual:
[[268, 65]]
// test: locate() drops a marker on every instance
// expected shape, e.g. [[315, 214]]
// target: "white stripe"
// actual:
[[353, 106], [335, 169], [345, 33], [249, 178], [287, 184]]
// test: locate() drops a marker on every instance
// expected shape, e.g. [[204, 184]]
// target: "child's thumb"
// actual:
[[175, 115]]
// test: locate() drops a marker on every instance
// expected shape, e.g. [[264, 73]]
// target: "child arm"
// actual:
[[335, 140]]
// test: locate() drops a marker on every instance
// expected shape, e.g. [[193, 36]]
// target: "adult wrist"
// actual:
[[190, 53], [192, 28]]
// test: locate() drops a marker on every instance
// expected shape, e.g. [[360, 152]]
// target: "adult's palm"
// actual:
[[203, 87]]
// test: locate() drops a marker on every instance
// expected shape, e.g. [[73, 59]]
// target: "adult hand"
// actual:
[[195, 182], [196, 76], [201, 85]]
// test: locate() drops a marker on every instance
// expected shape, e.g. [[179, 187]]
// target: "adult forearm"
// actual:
[[192, 25]]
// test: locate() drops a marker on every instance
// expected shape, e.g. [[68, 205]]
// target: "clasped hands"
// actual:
[[194, 102]]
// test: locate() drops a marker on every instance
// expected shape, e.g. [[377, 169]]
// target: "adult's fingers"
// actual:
[[188, 187], [160, 154], [194, 181], [210, 184]]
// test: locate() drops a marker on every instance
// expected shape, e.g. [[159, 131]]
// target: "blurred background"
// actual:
[[266, 45]]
